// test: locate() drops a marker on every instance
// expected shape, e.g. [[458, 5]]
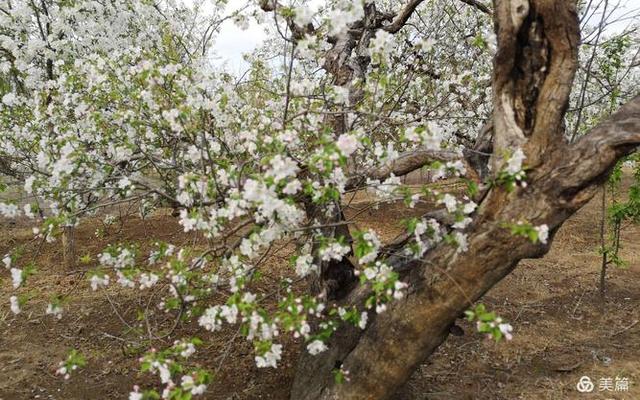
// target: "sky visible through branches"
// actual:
[[233, 42]]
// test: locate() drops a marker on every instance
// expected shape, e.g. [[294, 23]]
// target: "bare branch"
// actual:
[[585, 83], [406, 13], [403, 16], [478, 5], [593, 155]]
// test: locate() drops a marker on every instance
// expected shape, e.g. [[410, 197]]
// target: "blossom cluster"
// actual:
[[129, 110]]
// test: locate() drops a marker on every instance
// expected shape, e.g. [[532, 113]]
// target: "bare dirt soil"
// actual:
[[563, 330]]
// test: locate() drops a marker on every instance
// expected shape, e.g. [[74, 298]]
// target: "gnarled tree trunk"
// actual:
[[533, 74]]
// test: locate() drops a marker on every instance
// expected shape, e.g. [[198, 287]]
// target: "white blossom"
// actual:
[[9, 99], [383, 43], [305, 266], [282, 168], [165, 373], [450, 203], [506, 330], [432, 139], [457, 166], [347, 144], [305, 46], [303, 15], [124, 281], [62, 370], [469, 207], [514, 164], [461, 240], [210, 319], [340, 94], [99, 281], [147, 280], [189, 384], [292, 187], [346, 13], [28, 184], [463, 223], [16, 277], [15, 305], [27, 211], [230, 313], [270, 358], [136, 394], [54, 310], [316, 347], [9, 210], [426, 44], [364, 317], [543, 233], [334, 251]]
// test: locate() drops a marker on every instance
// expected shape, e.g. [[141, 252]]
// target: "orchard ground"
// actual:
[[562, 329]]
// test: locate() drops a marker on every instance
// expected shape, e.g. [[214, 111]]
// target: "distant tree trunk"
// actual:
[[69, 246], [336, 278], [603, 243], [533, 73]]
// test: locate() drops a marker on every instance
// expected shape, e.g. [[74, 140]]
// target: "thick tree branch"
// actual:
[[591, 157], [508, 134], [533, 74], [478, 155], [561, 40], [404, 164]]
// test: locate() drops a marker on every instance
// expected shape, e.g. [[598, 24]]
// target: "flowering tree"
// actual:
[[104, 104]]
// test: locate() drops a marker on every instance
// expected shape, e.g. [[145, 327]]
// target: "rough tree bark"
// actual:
[[533, 74], [347, 60], [69, 246]]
